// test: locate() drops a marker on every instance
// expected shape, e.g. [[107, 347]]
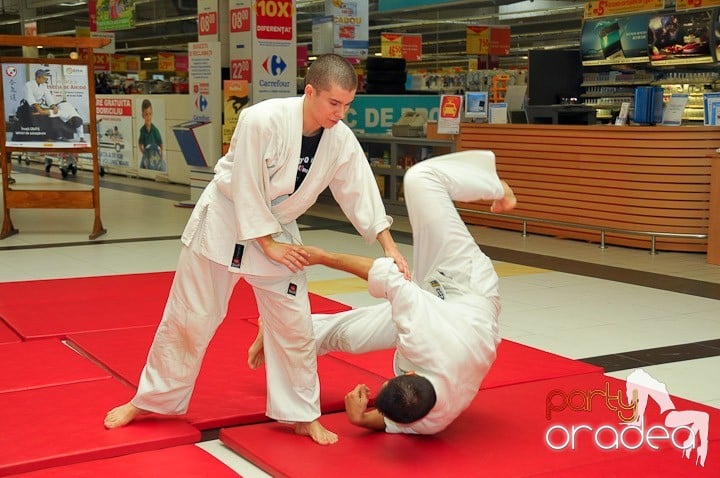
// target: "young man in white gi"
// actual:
[[283, 154], [443, 323]]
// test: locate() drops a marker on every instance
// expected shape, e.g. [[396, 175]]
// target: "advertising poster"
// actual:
[[150, 116], [114, 117], [680, 38], [450, 109], [46, 106], [235, 99], [609, 41], [113, 15], [350, 27]]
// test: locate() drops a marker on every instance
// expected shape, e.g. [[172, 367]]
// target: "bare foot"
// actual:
[[317, 432], [122, 415], [256, 353]]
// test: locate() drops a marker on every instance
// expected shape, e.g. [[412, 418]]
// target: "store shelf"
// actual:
[[390, 156]]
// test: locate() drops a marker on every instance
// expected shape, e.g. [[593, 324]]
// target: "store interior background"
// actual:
[[168, 25]]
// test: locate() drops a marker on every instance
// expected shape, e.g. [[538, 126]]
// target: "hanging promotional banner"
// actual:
[[487, 40], [401, 45], [350, 27], [694, 4], [111, 15], [181, 62], [114, 130], [60, 91], [118, 62], [412, 46], [166, 61], [132, 63], [391, 45], [603, 8]]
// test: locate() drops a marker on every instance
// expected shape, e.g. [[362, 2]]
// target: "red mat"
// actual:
[[515, 363], [501, 434], [227, 392], [43, 363], [58, 307], [186, 461], [62, 425], [7, 335]]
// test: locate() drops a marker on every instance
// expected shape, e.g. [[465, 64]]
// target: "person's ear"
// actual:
[[309, 90]]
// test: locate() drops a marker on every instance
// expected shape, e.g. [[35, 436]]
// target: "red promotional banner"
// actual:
[[181, 62], [274, 19], [499, 41], [484, 40], [412, 47], [166, 61]]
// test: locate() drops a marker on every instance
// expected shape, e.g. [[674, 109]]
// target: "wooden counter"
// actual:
[[638, 178]]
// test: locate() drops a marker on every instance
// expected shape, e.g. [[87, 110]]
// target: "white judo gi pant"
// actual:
[[196, 307], [443, 249]]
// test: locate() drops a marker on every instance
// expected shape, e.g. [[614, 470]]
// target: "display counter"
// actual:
[[579, 182]]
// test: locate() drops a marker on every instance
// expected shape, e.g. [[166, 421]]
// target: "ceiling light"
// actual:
[[147, 58], [72, 4]]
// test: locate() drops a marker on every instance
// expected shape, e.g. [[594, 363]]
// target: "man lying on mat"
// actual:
[[443, 323]]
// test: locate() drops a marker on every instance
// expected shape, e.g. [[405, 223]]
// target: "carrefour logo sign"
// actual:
[[274, 65]]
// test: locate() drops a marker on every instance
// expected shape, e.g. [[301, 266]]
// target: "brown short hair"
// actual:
[[331, 69]]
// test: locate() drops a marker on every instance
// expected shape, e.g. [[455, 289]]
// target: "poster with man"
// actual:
[[46, 106]]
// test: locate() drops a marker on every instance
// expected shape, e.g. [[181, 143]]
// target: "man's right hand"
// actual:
[[356, 402], [291, 256]]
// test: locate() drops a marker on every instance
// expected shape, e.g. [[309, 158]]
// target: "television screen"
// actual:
[[157, 76], [476, 104]]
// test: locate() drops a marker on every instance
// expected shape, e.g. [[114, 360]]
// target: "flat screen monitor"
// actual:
[[476, 104], [157, 76]]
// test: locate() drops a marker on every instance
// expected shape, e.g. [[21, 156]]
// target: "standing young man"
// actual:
[[283, 154]]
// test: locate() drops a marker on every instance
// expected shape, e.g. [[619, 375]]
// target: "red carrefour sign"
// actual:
[[274, 19]]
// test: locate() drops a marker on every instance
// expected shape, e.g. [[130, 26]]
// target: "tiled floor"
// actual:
[[617, 307]]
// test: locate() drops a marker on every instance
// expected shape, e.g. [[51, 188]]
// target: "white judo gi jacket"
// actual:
[[250, 195]]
